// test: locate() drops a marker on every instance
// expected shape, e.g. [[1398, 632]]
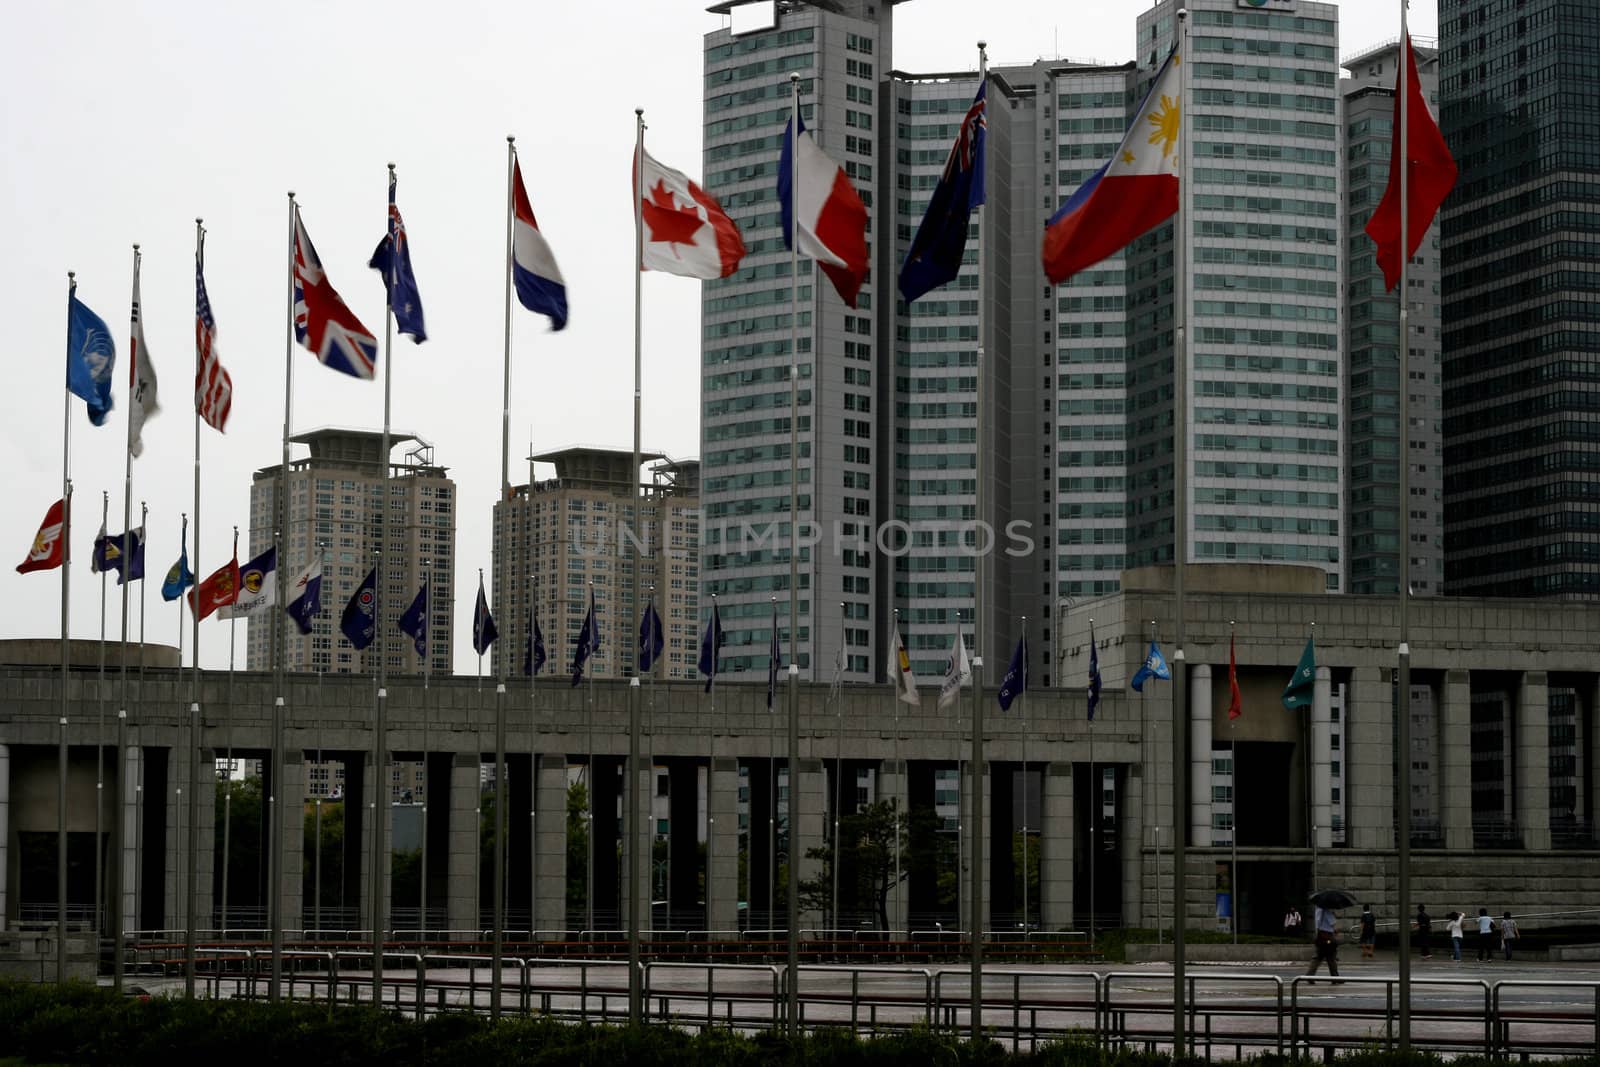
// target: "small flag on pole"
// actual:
[[179, 576], [484, 631], [957, 672], [393, 260], [651, 642], [258, 587], [414, 623], [141, 379], [1015, 682], [358, 623], [588, 642], [711, 646], [49, 548], [533, 657], [1094, 674], [1235, 700], [1302, 684], [540, 287], [213, 386], [217, 591], [91, 358], [831, 216], [305, 601], [773, 656], [122, 553], [941, 241], [686, 232], [1154, 666], [323, 325], [905, 682]]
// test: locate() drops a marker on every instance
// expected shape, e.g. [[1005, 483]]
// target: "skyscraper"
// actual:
[[1520, 233]]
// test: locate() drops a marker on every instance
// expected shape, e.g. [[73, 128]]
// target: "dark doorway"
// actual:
[[1102, 792], [1263, 795]]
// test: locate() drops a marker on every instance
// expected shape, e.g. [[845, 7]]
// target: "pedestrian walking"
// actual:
[[1327, 941], [1424, 926], [1485, 933], [1508, 934], [1293, 925], [1369, 932], [1455, 919]]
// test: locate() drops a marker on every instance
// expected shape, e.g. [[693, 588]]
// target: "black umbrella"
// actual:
[[1334, 899]]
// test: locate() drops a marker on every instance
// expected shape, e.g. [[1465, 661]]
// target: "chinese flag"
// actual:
[[217, 591], [1235, 702], [1431, 176]]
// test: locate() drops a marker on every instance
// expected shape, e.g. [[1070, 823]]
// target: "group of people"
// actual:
[[1326, 934]]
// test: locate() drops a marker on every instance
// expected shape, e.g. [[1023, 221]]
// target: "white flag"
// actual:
[[957, 673], [143, 381], [905, 683], [258, 587]]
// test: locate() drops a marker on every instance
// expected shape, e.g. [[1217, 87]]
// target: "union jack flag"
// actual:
[[213, 386], [323, 325]]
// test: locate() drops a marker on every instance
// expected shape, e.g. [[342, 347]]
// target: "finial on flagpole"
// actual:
[[291, 194], [982, 45], [793, 77], [391, 168], [136, 246], [511, 139], [639, 111]]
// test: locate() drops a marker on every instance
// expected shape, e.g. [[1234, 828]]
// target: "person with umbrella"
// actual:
[[1326, 921]]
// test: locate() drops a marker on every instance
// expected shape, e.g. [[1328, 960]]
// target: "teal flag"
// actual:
[[1297, 694]]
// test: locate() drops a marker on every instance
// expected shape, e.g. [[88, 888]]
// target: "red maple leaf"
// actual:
[[669, 223]]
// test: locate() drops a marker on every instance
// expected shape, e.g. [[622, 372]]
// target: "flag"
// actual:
[[957, 672], [686, 232], [179, 576], [123, 553], [941, 241], [650, 640], [323, 325], [414, 623], [359, 621], [258, 587], [1431, 176], [905, 683], [1235, 701], [305, 602], [588, 642], [1094, 674], [141, 379], [91, 357], [1134, 190], [99, 555], [484, 631], [533, 657], [1154, 666], [217, 591], [773, 655], [837, 685], [213, 386], [832, 218], [49, 547], [711, 646], [392, 259], [540, 287], [1299, 691], [1015, 682]]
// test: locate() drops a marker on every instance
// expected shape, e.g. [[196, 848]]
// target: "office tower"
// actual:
[[1519, 234], [1372, 334], [335, 501], [586, 535]]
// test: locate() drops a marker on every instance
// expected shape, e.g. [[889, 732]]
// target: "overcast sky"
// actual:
[[125, 121]]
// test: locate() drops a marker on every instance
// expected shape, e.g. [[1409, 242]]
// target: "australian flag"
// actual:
[[588, 642], [941, 241], [533, 657], [358, 622], [393, 260], [484, 631], [323, 325], [711, 647], [651, 642], [414, 623], [91, 357]]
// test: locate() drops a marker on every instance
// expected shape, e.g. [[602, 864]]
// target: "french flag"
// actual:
[[533, 267], [1135, 190], [832, 218]]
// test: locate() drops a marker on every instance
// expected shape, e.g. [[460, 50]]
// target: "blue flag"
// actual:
[[588, 642], [941, 242], [414, 623], [484, 631], [91, 358], [711, 646], [1154, 666], [1094, 674], [179, 577], [1015, 683], [772, 659], [305, 596], [650, 640], [533, 657], [358, 623], [393, 260]]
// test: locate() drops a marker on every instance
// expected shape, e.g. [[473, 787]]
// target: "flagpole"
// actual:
[[792, 955], [634, 824], [1096, 791], [1022, 709], [427, 714], [1403, 571], [227, 791], [838, 789], [380, 746], [66, 655], [100, 708], [772, 808], [316, 865], [895, 746], [1180, 535], [477, 810], [533, 719], [192, 842], [1233, 835], [281, 631], [592, 627], [975, 836]]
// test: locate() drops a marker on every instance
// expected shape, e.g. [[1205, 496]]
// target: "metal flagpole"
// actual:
[[975, 835], [227, 785], [1096, 791], [633, 824], [136, 335], [281, 631], [772, 810], [1233, 834], [502, 599], [382, 802], [477, 809], [1022, 709], [533, 724], [427, 715], [66, 658], [1180, 535], [838, 787], [316, 862], [1403, 571], [100, 703], [191, 848], [894, 697], [588, 803], [792, 955]]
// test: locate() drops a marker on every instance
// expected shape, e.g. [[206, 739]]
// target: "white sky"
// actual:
[[122, 122]]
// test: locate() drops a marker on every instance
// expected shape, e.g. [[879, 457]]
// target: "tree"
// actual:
[[332, 851], [577, 845], [238, 809], [866, 864]]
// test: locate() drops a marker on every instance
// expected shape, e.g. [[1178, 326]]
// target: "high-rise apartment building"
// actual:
[[582, 532], [1520, 241], [1372, 336], [336, 502]]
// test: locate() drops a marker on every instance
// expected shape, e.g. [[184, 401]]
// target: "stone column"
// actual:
[[1321, 757], [461, 864], [722, 849], [808, 806], [1132, 836], [1368, 755], [289, 799], [376, 803], [982, 920], [637, 833], [892, 786], [1200, 756], [1056, 843], [1531, 748], [550, 848], [127, 838], [175, 884], [1454, 769], [5, 837]]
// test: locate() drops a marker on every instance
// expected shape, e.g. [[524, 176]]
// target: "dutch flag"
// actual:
[[533, 267]]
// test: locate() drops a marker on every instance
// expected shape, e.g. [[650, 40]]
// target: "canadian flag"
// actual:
[[686, 232], [49, 547]]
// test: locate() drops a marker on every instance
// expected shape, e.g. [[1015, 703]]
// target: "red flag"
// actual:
[[217, 591], [1429, 181], [49, 547], [686, 232], [1235, 703]]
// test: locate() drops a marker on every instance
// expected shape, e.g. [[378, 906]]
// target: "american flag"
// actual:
[[323, 325], [213, 388]]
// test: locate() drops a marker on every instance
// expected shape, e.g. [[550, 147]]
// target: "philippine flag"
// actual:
[[1136, 189], [540, 287], [832, 218]]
